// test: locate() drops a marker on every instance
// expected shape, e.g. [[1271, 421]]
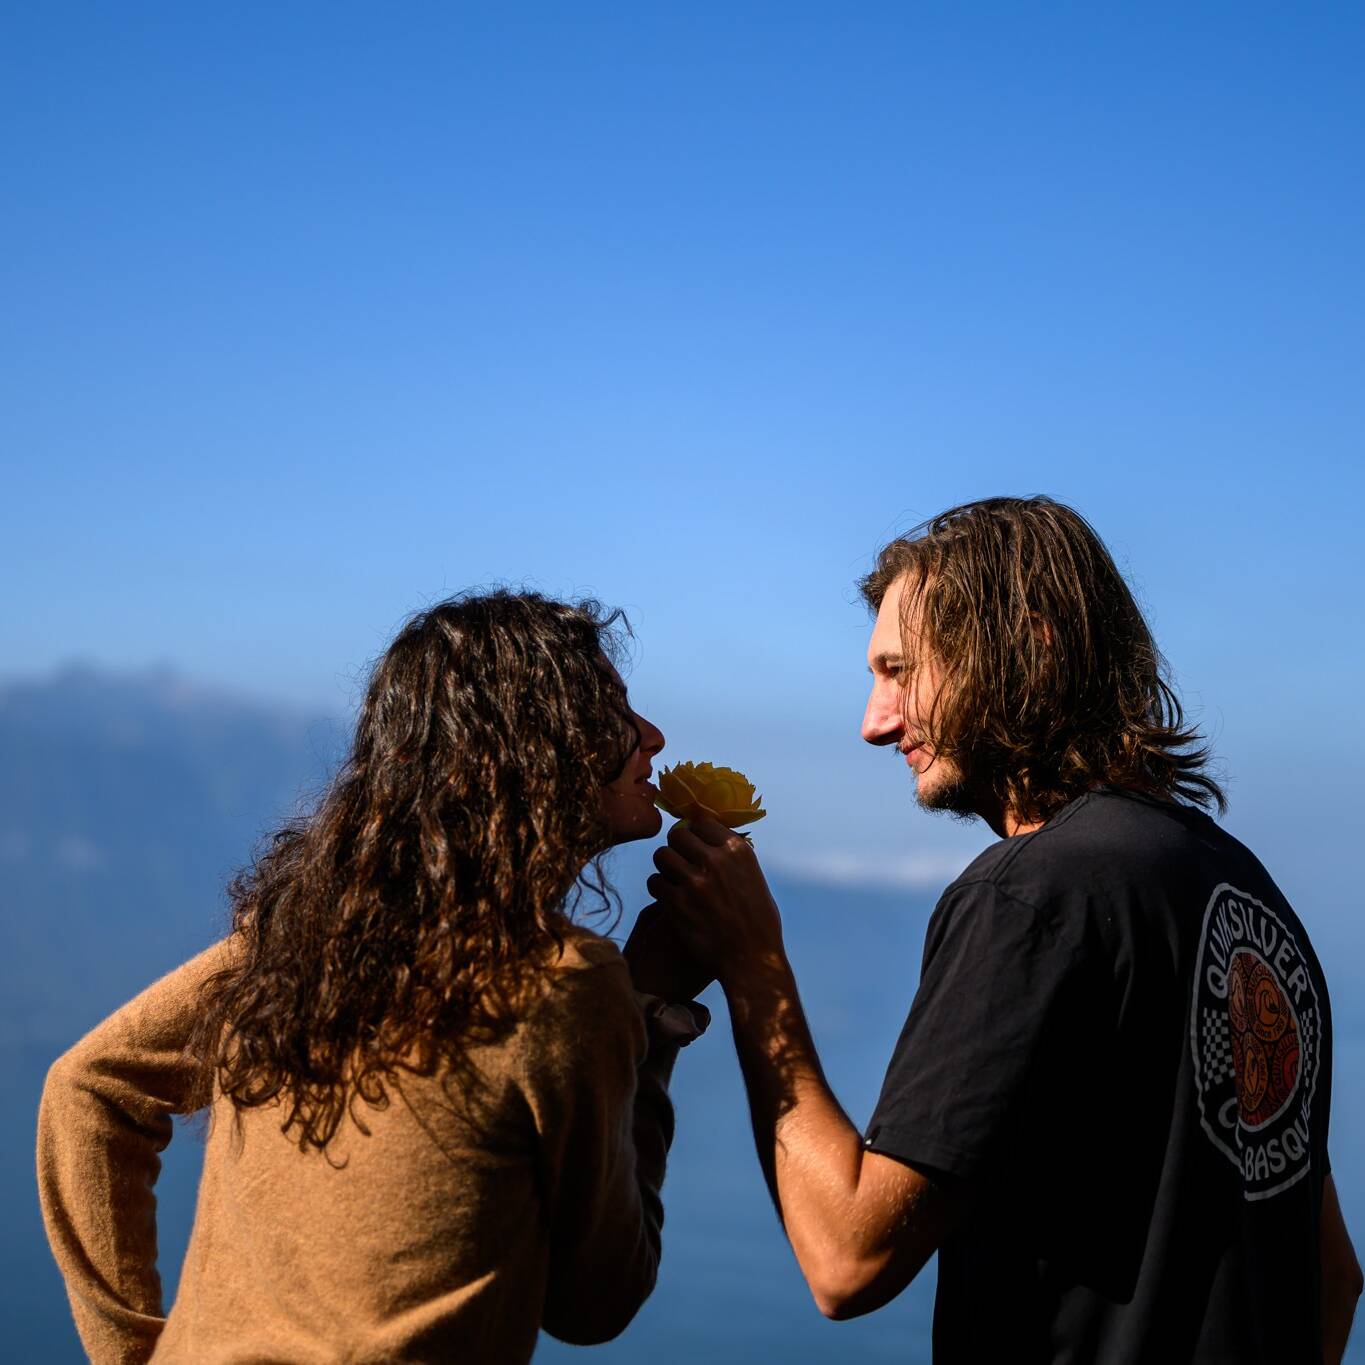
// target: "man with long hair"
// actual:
[[1108, 1109]]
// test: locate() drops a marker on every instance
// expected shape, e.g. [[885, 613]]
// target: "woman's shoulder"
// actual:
[[586, 989], [582, 949]]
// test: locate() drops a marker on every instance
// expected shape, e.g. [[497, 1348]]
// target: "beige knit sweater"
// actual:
[[464, 1221]]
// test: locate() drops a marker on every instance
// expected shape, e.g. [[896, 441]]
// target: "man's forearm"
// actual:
[[1342, 1281], [790, 1102], [861, 1223], [1338, 1313], [811, 1154]]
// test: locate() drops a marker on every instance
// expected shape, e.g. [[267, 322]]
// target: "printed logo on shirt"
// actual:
[[1256, 1033]]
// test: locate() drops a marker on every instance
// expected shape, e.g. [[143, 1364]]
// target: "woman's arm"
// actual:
[[105, 1115], [598, 1089]]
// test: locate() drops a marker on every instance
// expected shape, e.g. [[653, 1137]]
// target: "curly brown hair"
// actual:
[[1051, 681], [405, 918]]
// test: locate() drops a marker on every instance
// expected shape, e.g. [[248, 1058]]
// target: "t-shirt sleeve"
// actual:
[[991, 1010], [596, 1085]]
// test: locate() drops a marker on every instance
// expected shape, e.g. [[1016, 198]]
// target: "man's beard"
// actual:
[[955, 792]]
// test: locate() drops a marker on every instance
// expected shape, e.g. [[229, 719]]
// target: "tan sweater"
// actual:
[[454, 1231]]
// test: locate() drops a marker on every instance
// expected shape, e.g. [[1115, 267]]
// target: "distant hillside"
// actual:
[[125, 804]]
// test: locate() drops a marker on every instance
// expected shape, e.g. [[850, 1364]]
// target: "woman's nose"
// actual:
[[651, 737]]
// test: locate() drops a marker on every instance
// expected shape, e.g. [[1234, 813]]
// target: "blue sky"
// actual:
[[317, 312]]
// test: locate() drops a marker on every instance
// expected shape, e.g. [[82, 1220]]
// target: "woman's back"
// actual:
[[525, 1178]]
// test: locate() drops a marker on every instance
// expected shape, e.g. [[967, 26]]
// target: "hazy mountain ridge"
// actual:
[[126, 803]]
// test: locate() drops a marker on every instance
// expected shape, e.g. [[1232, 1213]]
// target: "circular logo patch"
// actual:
[[1255, 1032], [1265, 1040]]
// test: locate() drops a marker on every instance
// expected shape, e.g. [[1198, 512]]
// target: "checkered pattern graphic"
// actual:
[[1307, 1038], [1215, 1046]]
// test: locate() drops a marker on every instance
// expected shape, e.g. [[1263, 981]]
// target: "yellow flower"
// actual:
[[689, 790]]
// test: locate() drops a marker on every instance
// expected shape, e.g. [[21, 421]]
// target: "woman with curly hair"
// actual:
[[438, 1111]]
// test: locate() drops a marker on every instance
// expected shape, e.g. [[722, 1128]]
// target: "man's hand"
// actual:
[[718, 901], [659, 962]]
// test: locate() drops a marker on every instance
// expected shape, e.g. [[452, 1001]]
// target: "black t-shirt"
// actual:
[[1121, 1049]]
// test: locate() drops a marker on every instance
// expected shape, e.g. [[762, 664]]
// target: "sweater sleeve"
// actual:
[[598, 1091], [105, 1115]]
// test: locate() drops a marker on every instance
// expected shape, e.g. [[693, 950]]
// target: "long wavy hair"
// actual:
[[1051, 681], [405, 918]]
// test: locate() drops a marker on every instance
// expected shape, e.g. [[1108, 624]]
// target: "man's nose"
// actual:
[[882, 721]]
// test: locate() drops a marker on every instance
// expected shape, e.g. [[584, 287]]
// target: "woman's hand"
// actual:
[[659, 962], [718, 901]]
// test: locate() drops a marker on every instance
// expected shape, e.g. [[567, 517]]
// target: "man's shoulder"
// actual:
[[1106, 838]]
